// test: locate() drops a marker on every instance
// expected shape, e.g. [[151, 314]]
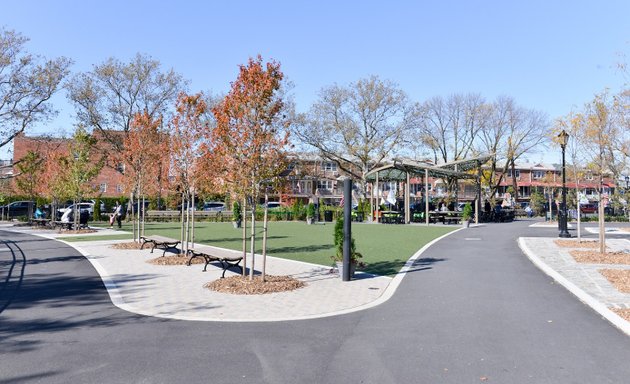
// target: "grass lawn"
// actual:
[[385, 248]]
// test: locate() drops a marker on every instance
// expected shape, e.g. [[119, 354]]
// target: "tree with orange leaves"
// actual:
[[145, 154], [251, 135], [186, 128]]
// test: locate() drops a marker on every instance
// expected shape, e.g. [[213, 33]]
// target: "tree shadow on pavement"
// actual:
[[393, 267]]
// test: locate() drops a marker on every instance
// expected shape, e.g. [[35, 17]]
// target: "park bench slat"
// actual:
[[226, 258]]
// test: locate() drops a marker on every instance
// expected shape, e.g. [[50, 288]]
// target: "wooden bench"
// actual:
[[435, 217], [161, 242], [67, 225], [226, 258], [40, 222], [453, 218]]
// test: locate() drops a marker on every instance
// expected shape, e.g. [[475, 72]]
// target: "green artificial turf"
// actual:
[[385, 248]]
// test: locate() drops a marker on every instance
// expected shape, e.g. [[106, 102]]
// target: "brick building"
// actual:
[[107, 184]]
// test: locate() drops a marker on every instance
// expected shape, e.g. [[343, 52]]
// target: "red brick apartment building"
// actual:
[[530, 177], [309, 175], [109, 181]]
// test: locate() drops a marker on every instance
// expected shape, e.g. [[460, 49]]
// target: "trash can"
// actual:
[[328, 215]]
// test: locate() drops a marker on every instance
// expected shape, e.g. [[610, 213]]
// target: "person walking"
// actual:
[[116, 216]]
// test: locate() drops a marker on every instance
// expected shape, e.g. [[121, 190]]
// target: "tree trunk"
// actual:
[[182, 224], [264, 239], [252, 244], [244, 216], [514, 183], [192, 223], [602, 227]]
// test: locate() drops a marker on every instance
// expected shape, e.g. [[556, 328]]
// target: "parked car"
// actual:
[[18, 208], [273, 204], [588, 208], [85, 206], [216, 206], [188, 205]]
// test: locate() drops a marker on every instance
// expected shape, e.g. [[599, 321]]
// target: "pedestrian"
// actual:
[[67, 216], [116, 216]]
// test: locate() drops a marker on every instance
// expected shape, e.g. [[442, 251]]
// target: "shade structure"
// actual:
[[401, 170]]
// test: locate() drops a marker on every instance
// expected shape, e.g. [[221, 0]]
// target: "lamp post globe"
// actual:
[[563, 138]]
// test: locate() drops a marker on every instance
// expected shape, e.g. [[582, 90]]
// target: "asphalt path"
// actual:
[[473, 309]]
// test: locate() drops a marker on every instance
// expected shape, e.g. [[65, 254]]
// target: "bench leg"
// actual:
[[226, 264], [192, 256]]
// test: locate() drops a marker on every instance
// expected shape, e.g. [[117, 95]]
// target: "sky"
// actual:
[[552, 56]]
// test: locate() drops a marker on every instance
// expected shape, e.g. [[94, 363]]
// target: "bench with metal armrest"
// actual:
[[160, 242], [227, 259]]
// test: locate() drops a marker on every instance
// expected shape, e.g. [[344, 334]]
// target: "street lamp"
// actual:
[[563, 138]]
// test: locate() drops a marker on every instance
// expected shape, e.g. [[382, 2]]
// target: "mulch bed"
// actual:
[[594, 257], [577, 244], [175, 260], [241, 285], [129, 245], [170, 259], [78, 231], [624, 313], [620, 278]]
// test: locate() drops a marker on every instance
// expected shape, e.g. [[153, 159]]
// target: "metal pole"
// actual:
[[407, 200], [426, 197], [347, 228], [563, 220], [378, 198]]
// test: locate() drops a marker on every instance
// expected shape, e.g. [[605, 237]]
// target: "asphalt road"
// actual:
[[474, 309]]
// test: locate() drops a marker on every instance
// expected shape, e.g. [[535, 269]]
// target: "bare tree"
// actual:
[[108, 97], [27, 82], [357, 126], [511, 132], [448, 127]]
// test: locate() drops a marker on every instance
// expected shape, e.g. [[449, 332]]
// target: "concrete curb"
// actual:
[[118, 300], [587, 299]]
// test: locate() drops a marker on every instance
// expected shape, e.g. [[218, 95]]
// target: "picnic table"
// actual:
[[392, 217], [445, 217]]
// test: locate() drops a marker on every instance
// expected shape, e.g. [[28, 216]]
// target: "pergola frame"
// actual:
[[402, 170]]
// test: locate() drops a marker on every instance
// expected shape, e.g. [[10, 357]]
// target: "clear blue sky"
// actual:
[[548, 55]]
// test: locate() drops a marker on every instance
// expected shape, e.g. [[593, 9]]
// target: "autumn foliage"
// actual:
[[250, 136]]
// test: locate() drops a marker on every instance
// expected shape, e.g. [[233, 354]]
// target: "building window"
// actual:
[[517, 173], [325, 185], [538, 174], [589, 175], [120, 167], [119, 188], [329, 166], [103, 187]]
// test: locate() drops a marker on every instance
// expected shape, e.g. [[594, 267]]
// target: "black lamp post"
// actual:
[[563, 138]]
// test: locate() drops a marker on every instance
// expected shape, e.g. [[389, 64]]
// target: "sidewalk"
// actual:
[[177, 292], [581, 279]]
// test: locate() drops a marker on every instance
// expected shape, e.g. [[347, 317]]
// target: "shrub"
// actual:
[[310, 210], [338, 240], [236, 212], [467, 212]]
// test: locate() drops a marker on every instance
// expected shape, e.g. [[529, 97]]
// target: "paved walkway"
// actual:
[[583, 280], [177, 291]]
